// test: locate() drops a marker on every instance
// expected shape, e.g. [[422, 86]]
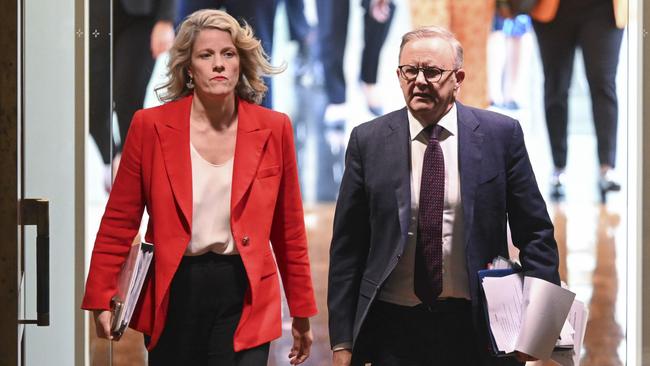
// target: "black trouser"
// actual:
[[589, 25], [298, 26], [133, 64], [100, 103], [333, 30], [441, 335], [132, 68], [205, 304]]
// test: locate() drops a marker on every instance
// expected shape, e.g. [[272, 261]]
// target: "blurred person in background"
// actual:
[[504, 57], [217, 175], [333, 21], [596, 27], [333, 17], [142, 31]]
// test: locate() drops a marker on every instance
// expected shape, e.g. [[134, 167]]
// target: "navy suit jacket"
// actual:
[[374, 205]]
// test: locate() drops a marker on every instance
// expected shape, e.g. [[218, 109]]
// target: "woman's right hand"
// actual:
[[103, 324]]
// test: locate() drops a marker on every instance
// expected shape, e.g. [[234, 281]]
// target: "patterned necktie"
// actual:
[[428, 250]]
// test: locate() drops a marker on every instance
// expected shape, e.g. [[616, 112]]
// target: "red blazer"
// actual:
[[155, 173]]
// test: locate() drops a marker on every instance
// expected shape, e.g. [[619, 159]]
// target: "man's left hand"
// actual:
[[523, 357], [302, 340]]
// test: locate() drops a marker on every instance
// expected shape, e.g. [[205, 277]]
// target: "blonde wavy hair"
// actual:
[[253, 61]]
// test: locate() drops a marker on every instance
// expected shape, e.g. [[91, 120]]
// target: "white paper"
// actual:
[[546, 306], [134, 291], [527, 314], [578, 319], [566, 335], [504, 304], [130, 283]]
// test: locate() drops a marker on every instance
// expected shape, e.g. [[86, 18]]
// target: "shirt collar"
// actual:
[[449, 122]]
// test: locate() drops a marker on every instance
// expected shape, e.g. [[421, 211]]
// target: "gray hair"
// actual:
[[435, 32]]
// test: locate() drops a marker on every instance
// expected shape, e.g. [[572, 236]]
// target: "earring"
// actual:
[[190, 83]]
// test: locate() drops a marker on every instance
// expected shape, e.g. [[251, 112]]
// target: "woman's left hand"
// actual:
[[302, 340]]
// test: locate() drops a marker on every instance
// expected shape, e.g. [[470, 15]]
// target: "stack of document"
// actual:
[[577, 320], [532, 316], [129, 286]]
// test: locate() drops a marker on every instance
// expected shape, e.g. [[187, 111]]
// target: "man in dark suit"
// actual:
[[425, 199]]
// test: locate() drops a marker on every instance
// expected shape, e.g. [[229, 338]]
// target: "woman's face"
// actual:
[[214, 63]]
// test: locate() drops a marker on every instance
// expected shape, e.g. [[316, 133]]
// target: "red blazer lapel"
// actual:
[[251, 139], [174, 134]]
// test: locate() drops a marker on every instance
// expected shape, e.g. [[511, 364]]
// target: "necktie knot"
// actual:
[[434, 131]]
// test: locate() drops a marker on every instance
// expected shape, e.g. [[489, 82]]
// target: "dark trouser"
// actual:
[[333, 30], [298, 26], [100, 79], [259, 14], [205, 304], [443, 335], [589, 25], [133, 64]]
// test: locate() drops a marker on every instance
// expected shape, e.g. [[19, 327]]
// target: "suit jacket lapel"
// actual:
[[174, 135], [251, 139], [398, 147], [469, 161]]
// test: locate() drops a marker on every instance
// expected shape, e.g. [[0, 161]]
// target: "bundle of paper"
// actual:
[[577, 318], [528, 314], [505, 263], [129, 285]]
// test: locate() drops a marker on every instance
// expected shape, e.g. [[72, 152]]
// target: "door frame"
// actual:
[[9, 188], [639, 259], [81, 132], [11, 33]]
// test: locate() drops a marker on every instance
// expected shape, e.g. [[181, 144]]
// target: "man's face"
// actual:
[[429, 99]]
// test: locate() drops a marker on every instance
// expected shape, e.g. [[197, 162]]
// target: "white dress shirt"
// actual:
[[398, 288]]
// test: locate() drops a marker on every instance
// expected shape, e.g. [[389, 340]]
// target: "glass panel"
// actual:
[[49, 170]]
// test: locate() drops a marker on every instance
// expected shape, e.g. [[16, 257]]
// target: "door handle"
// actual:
[[36, 211]]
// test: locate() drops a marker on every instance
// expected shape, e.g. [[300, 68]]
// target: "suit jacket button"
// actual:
[[245, 240]]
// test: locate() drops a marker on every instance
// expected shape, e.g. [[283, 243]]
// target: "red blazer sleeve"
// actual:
[[120, 223], [288, 235]]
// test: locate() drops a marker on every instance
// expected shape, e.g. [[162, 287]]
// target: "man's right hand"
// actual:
[[103, 324], [342, 357]]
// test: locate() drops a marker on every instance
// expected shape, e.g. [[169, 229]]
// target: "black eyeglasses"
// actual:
[[431, 73]]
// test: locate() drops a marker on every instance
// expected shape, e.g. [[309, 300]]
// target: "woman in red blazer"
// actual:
[[205, 301]]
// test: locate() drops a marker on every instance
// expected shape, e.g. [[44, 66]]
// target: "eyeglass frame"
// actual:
[[422, 69]]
